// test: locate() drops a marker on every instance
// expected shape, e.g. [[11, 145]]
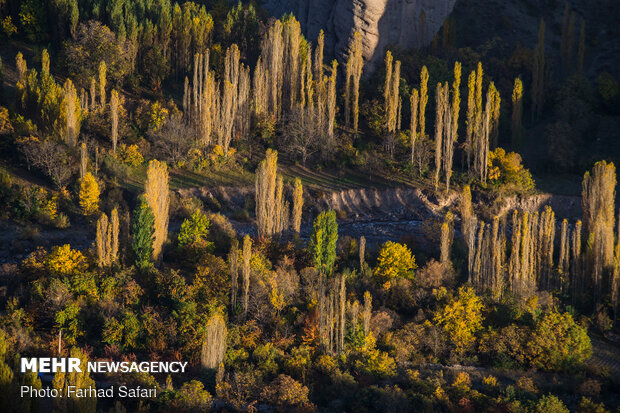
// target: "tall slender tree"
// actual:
[[247, 256], [447, 236], [157, 195], [598, 202], [298, 203], [114, 107], [72, 113], [142, 232], [471, 116], [414, 102], [354, 67], [423, 101], [233, 264], [102, 83], [322, 245]]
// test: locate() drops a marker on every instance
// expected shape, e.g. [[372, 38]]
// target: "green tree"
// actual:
[[194, 231], [92, 44], [143, 230], [558, 343], [323, 240], [550, 404]]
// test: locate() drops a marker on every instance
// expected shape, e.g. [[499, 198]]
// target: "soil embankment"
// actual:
[[377, 214]]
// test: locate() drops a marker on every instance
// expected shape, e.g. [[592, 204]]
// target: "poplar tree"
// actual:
[[414, 102], [494, 115], [245, 271], [480, 123], [353, 75], [482, 131], [331, 103], [456, 102], [45, 62], [207, 111], [514, 263], [20, 86], [143, 232], [362, 254], [83, 160], [93, 88], [156, 193], [72, 113], [342, 320], [577, 273], [259, 89], [272, 52], [598, 203], [440, 99], [318, 56], [233, 263], [106, 241], [423, 101], [564, 256], [83, 100], [214, 342], [102, 83], [390, 92], [452, 124], [367, 312], [322, 245], [545, 249], [517, 112], [471, 115], [292, 33], [22, 68], [272, 212], [447, 235], [114, 104], [466, 210], [298, 203], [471, 247]]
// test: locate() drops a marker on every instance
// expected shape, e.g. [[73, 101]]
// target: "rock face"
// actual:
[[406, 23]]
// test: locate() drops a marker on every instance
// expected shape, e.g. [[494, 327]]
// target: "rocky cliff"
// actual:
[[407, 23]]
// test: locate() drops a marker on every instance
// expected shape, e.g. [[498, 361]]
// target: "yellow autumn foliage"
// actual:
[[461, 318], [130, 155], [395, 261], [89, 194], [64, 260]]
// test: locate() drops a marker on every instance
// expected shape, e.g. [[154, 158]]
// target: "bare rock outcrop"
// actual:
[[406, 23]]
